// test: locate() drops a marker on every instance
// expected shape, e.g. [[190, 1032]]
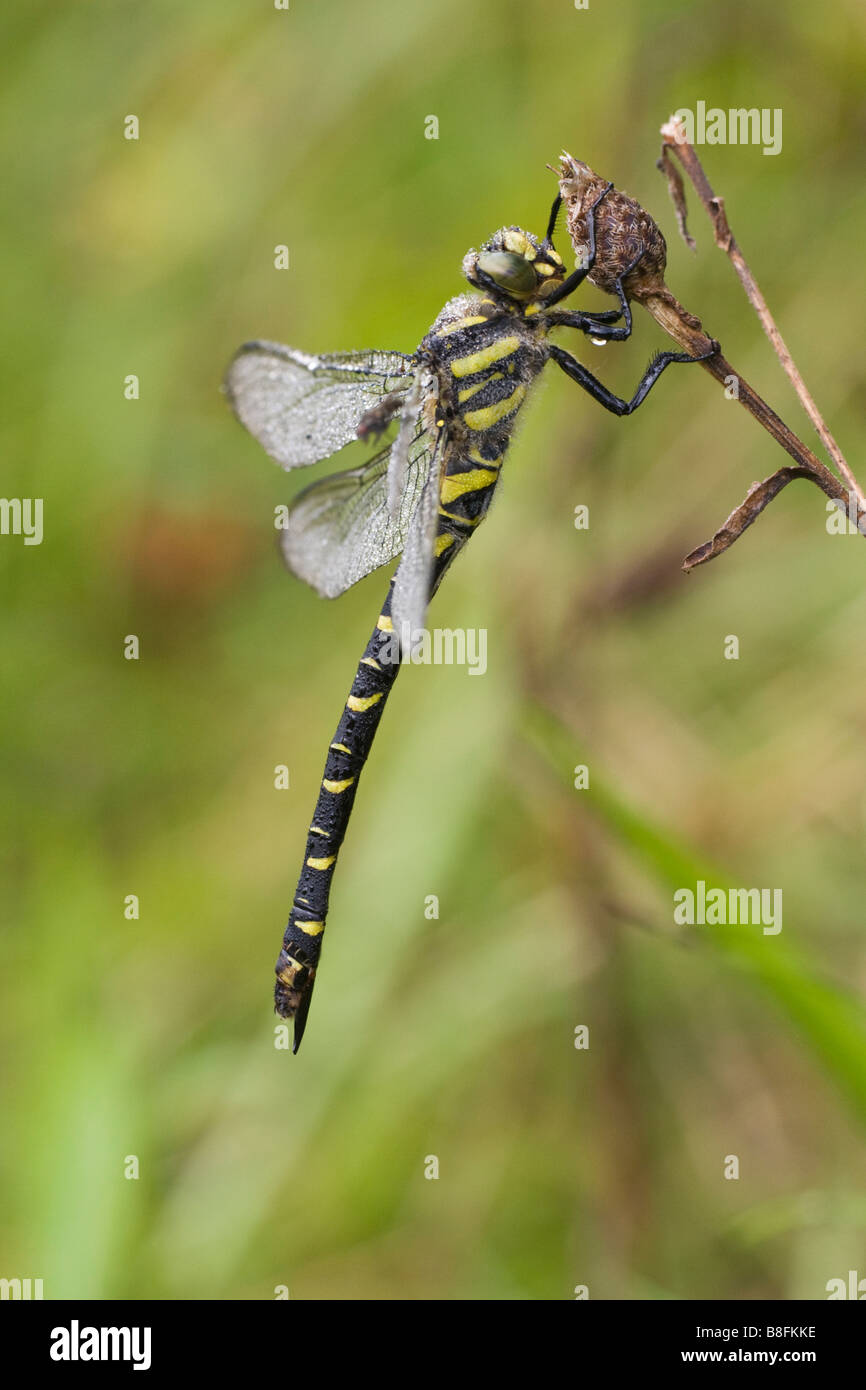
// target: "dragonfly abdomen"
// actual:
[[347, 754]]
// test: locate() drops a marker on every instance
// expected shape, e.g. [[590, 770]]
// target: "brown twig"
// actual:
[[809, 466], [621, 226], [674, 137], [741, 517]]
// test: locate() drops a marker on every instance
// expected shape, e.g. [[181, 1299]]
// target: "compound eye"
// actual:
[[511, 272]]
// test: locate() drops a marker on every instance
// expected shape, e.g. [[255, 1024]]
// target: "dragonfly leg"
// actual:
[[571, 282], [551, 221], [615, 404], [595, 325]]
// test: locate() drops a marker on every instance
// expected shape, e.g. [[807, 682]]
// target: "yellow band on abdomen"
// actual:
[[490, 414], [473, 481], [359, 703], [337, 786], [310, 928]]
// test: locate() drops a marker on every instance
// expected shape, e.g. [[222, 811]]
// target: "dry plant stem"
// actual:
[[673, 134], [687, 331], [741, 517], [622, 229]]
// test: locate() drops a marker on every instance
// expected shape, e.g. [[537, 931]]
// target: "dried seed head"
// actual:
[[623, 230]]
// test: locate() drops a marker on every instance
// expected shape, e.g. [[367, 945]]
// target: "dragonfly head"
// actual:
[[514, 265]]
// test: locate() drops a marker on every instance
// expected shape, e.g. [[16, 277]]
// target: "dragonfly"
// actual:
[[439, 422]]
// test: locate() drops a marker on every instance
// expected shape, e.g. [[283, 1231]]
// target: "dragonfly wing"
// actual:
[[399, 460], [303, 408], [342, 528], [415, 572]]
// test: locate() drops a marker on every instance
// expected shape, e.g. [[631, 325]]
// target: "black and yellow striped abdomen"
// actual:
[[349, 749], [302, 942]]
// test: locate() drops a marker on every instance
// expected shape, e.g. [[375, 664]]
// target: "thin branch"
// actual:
[[674, 136], [630, 251], [756, 499]]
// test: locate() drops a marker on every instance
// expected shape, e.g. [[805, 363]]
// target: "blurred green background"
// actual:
[[454, 1037]]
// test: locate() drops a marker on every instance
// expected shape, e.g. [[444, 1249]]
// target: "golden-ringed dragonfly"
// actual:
[[441, 419]]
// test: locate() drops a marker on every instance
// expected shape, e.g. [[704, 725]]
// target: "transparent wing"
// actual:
[[342, 528], [301, 408], [399, 460], [415, 573]]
